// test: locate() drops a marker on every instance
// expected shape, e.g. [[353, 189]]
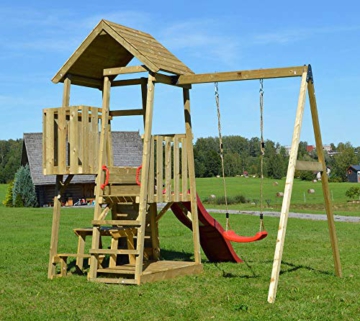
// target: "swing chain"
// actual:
[[262, 150], [217, 100]]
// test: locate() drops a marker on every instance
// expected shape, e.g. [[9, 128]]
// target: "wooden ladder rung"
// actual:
[[116, 222], [113, 252], [117, 271], [115, 281]]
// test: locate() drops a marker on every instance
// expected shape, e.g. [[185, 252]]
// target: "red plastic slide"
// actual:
[[215, 246]]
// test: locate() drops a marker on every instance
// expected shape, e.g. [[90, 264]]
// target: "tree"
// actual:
[[8, 201], [343, 160], [24, 189]]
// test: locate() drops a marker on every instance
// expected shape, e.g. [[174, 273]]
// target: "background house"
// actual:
[[353, 173], [127, 148]]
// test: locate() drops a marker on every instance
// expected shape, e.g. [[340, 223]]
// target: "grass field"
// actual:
[[301, 200], [308, 289]]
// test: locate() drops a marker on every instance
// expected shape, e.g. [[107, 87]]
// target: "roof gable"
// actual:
[[111, 45], [355, 167]]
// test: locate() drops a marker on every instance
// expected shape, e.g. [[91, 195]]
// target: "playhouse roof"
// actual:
[[127, 149], [111, 45]]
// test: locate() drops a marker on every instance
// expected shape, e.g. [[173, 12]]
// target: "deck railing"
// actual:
[[168, 175], [71, 140]]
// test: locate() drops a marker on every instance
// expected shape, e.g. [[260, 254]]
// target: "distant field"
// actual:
[[301, 200]]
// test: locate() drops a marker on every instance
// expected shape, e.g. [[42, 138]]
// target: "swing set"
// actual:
[[229, 234], [70, 134]]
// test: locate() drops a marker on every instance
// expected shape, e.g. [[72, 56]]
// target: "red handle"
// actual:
[[138, 175], [104, 168]]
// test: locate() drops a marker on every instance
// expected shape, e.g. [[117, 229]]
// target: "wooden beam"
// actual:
[[127, 112], [309, 166], [124, 70], [127, 82], [324, 179], [280, 241], [85, 81], [242, 75], [169, 80]]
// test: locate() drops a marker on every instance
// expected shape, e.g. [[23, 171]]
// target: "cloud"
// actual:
[[54, 30], [295, 35], [200, 39]]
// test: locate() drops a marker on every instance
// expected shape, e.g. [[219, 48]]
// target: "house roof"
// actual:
[[127, 149], [355, 167], [111, 45]]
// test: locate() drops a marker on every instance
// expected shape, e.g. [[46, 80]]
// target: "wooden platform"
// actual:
[[154, 271]]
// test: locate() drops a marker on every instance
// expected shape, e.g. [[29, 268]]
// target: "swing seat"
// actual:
[[233, 237]]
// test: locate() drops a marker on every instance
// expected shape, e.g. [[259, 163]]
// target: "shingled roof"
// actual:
[[111, 45], [127, 149]]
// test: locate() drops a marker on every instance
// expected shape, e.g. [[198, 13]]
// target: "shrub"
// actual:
[[24, 189], [237, 199], [353, 192], [8, 201]]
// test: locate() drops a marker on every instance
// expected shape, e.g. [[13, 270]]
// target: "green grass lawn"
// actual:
[[308, 289]]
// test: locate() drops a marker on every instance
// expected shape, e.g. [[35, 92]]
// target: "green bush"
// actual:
[[237, 199], [8, 201], [353, 192], [24, 189]]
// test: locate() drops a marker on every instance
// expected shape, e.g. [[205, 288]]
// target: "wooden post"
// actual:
[[191, 167], [154, 232], [98, 192], [324, 178], [58, 189], [143, 96], [66, 92], [145, 176], [55, 228], [287, 192]]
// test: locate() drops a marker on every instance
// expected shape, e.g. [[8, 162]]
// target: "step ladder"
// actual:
[[131, 246]]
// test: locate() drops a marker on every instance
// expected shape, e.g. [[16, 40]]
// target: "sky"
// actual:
[[38, 37]]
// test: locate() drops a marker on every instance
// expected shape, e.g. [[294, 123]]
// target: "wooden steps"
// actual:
[[114, 252], [116, 222]]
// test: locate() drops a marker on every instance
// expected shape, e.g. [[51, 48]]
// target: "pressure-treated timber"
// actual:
[[308, 166], [78, 52], [124, 70], [67, 133], [191, 168], [145, 176], [127, 112], [324, 178], [280, 240], [94, 261], [242, 75], [55, 228]]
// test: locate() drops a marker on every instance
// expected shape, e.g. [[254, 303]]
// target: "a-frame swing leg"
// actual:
[[287, 192], [324, 178], [306, 77]]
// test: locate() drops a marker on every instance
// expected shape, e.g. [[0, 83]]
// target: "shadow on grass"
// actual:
[[293, 268], [225, 274], [176, 256]]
